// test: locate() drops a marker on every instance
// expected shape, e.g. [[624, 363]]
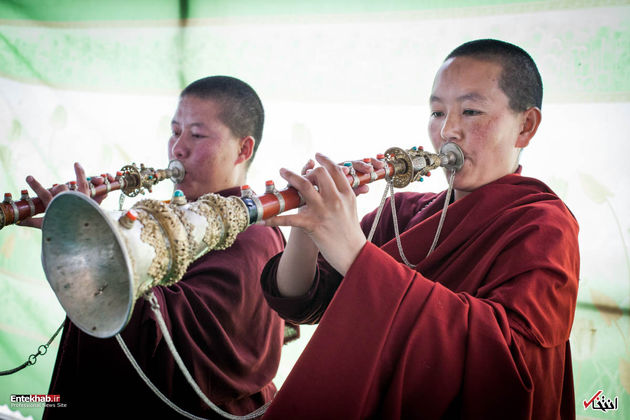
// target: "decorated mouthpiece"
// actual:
[[177, 171]]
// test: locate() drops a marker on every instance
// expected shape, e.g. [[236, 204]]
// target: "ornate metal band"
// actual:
[[259, 208], [31, 206], [281, 202], [234, 214], [16, 212], [170, 225]]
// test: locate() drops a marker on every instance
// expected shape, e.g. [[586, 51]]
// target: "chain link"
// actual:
[[395, 219], [121, 201], [389, 187], [447, 201], [32, 359]]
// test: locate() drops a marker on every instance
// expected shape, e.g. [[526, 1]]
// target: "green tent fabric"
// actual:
[[97, 82]]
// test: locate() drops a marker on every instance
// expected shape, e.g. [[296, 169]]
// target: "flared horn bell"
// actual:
[[87, 265], [99, 263]]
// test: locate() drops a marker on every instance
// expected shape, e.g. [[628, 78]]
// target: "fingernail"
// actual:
[[29, 178]]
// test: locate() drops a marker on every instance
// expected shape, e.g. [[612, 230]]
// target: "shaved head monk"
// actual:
[[226, 334], [479, 327]]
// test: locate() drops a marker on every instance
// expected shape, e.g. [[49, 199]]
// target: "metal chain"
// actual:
[[389, 187], [447, 201], [395, 219], [380, 210], [121, 201], [169, 341], [32, 359]]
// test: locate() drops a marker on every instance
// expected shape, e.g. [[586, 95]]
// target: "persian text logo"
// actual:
[[599, 402]]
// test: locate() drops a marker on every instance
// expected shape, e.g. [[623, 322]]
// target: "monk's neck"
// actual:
[[459, 194]]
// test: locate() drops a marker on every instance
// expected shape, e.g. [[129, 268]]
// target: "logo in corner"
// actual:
[[599, 402]]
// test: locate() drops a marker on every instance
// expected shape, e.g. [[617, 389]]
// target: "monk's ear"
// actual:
[[246, 149], [529, 125]]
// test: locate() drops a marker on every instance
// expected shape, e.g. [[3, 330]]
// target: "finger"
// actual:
[[34, 222], [309, 165], [97, 180], [311, 177], [109, 177], [82, 184], [294, 220], [44, 195], [336, 173], [361, 189], [363, 166], [100, 179], [328, 191], [377, 164], [302, 184], [56, 189], [345, 169]]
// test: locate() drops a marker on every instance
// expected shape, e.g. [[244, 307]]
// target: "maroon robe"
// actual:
[[478, 330], [228, 337]]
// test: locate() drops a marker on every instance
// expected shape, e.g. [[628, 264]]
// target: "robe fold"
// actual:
[[478, 330], [228, 337]]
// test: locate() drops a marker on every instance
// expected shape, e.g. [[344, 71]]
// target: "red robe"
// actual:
[[228, 337], [478, 330]]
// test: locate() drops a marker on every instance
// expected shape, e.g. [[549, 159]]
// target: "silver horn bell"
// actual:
[[99, 263], [86, 263]]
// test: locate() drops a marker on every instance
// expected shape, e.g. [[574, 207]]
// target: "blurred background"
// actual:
[[97, 82]]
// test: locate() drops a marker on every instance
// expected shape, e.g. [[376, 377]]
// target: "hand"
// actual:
[[46, 196], [96, 181], [366, 168], [330, 216], [358, 165]]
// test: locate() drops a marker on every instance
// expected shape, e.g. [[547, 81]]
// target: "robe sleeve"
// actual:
[[394, 344], [305, 309]]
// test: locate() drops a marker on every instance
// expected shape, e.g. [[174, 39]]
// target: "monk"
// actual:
[[228, 337], [478, 328]]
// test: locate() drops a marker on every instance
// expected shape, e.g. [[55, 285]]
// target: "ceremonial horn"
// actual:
[[99, 263], [131, 180]]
